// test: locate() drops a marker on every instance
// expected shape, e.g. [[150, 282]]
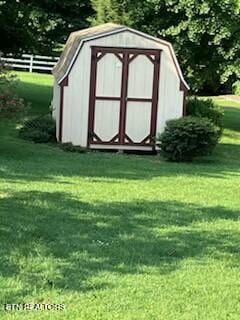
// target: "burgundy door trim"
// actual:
[[139, 99], [131, 50], [126, 60], [63, 84], [123, 104], [119, 98], [92, 94], [155, 95], [185, 92], [108, 98]]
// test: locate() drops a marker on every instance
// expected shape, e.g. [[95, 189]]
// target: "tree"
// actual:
[[65, 17], [205, 34], [15, 27], [39, 26]]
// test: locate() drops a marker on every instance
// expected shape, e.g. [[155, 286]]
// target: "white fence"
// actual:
[[31, 62]]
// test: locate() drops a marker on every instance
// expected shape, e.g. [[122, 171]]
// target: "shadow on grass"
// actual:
[[77, 240], [26, 162]]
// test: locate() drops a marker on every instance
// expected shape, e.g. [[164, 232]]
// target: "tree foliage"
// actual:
[[202, 108], [38, 26], [205, 33]]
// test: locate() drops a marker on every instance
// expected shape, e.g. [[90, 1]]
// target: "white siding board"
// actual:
[[56, 105], [119, 147], [67, 114], [162, 105]]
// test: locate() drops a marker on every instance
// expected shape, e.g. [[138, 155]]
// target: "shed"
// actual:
[[115, 88]]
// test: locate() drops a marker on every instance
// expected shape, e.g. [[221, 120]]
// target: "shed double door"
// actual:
[[123, 96]]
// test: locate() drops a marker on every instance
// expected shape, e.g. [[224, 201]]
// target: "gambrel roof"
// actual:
[[78, 38]]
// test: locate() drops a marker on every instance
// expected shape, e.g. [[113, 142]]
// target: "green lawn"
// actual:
[[118, 236]]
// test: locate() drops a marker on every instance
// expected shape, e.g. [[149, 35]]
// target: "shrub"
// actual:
[[236, 88], [187, 138], [10, 103], [71, 148], [205, 109], [40, 129]]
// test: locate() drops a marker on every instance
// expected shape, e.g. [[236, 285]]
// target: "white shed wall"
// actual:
[[76, 94], [56, 105]]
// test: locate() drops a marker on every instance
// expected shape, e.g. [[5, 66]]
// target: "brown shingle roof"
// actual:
[[73, 43]]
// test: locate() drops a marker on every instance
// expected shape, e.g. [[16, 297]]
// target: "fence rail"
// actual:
[[31, 62]]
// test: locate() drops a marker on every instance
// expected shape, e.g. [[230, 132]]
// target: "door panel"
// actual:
[[106, 122], [109, 68], [140, 89], [140, 79], [138, 120]]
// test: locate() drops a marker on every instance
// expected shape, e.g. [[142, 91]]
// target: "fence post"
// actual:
[[31, 63]]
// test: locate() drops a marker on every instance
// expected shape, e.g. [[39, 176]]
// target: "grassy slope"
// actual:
[[120, 236]]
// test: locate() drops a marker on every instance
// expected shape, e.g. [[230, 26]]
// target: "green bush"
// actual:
[[10, 103], [40, 129], [187, 138], [71, 148], [205, 109], [236, 88]]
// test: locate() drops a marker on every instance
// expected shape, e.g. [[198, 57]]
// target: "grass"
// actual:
[[118, 236]]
